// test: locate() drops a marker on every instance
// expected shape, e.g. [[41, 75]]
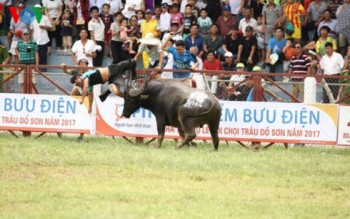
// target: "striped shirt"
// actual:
[[299, 65]]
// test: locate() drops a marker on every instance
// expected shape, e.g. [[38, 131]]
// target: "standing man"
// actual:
[[233, 43], [275, 46], [331, 64], [182, 58], [271, 18], [41, 36], [83, 48], [27, 52], [97, 32], [300, 64]]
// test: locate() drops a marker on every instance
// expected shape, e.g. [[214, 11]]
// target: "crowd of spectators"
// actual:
[[287, 36]]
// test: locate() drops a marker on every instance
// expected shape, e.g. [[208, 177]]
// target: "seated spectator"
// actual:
[[194, 39], [329, 22], [213, 41], [232, 43], [212, 63], [249, 54]]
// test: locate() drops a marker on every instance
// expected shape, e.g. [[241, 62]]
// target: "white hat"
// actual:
[[37, 6], [150, 40], [228, 54]]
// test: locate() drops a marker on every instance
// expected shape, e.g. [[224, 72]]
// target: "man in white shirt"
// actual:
[[40, 35], [97, 33], [83, 49], [116, 6], [331, 64], [248, 20]]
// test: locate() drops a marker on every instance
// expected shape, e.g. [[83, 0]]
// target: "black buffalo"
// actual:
[[175, 104]]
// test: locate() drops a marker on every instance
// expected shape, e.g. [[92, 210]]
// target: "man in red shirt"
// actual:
[[226, 21], [212, 63]]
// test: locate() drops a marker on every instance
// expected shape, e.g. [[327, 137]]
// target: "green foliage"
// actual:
[[101, 178]]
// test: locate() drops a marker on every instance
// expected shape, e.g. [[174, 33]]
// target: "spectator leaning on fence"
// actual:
[[331, 64], [300, 64]]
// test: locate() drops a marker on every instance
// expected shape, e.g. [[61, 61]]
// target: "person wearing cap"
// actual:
[[229, 86], [250, 96], [131, 6], [248, 54], [247, 21], [226, 21], [40, 35], [27, 52], [164, 21], [152, 46], [182, 58], [324, 38], [149, 25]]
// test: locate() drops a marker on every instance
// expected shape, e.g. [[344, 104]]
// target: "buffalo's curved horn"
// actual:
[[135, 92]]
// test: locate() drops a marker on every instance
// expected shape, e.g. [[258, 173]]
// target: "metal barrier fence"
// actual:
[[226, 85]]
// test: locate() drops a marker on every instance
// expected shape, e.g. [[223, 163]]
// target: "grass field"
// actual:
[[100, 178]]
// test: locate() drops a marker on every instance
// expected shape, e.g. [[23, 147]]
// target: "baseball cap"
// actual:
[[256, 68], [174, 23], [240, 65], [249, 28], [227, 8], [149, 11], [37, 6], [228, 54], [25, 31], [165, 5]]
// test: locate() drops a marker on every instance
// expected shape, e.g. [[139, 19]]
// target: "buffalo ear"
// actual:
[[143, 97]]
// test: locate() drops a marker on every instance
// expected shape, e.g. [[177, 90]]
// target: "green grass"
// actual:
[[100, 178]]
